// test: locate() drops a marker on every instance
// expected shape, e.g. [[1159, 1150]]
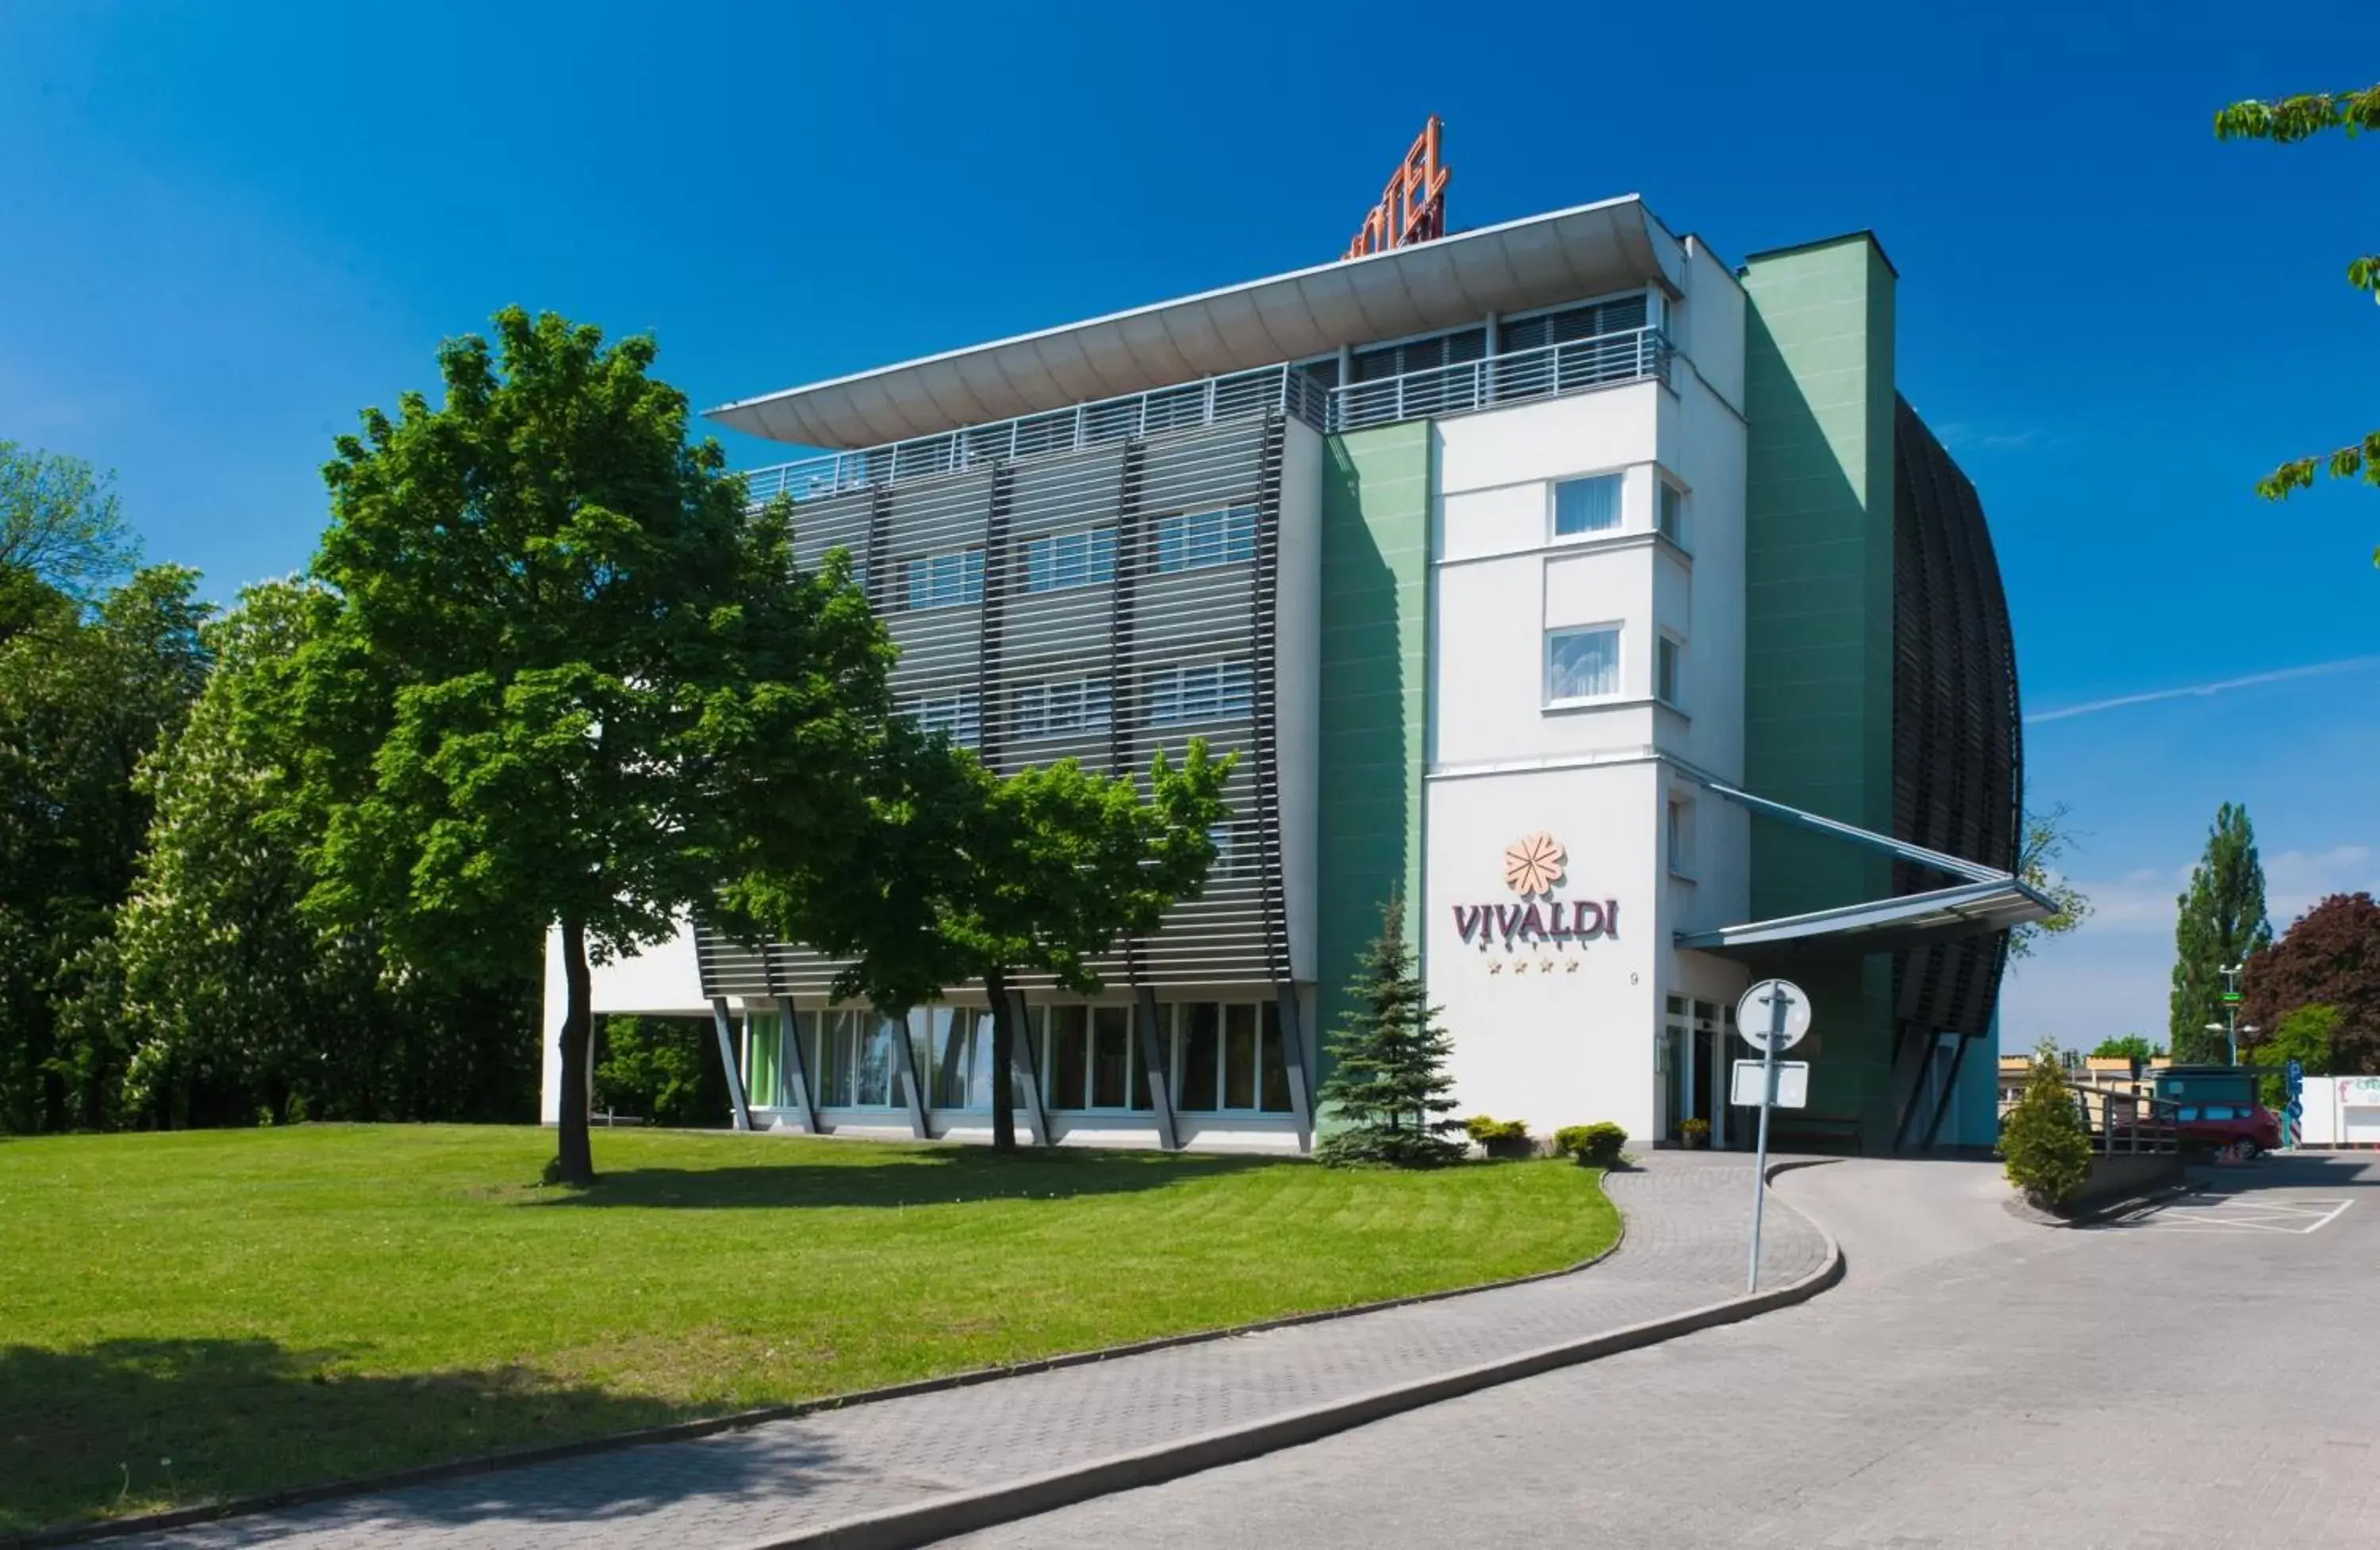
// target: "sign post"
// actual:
[[1773, 1015], [2295, 1110]]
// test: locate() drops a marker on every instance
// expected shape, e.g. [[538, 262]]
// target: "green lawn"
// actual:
[[269, 1308]]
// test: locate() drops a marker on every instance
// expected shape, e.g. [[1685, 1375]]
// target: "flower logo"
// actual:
[[1533, 864]]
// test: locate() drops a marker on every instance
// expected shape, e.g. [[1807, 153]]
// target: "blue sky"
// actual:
[[226, 228]]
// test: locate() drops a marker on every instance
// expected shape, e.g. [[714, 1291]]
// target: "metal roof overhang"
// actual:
[[1882, 925], [1543, 261]]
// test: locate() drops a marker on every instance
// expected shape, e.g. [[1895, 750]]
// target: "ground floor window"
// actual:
[[1228, 1055], [851, 1057], [1089, 1058]]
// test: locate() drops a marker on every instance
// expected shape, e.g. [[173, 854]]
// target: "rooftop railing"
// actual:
[[1546, 371]]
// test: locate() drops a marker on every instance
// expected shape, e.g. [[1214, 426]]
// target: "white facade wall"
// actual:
[[661, 981], [2340, 1112], [1553, 1031]]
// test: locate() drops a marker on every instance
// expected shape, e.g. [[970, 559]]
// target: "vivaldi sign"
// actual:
[[1533, 867]]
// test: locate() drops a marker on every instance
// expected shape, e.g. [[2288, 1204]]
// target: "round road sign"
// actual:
[[1756, 1014]]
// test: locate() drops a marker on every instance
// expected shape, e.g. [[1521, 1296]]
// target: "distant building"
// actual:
[[1609, 602]]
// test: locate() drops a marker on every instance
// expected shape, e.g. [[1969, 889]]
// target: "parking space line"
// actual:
[[2235, 1214]]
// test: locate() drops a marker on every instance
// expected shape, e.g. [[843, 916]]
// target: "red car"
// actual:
[[2250, 1127]]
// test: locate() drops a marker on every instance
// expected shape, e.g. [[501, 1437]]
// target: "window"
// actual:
[[1059, 707], [944, 580], [1588, 505], [1056, 560], [1231, 1058], [959, 1040], [764, 1033], [1665, 670], [1671, 518], [1193, 540], [1089, 1058], [1680, 837], [852, 1057], [1581, 664], [1236, 851], [954, 714], [1198, 692]]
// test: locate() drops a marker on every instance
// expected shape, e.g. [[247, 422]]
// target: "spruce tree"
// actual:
[[2221, 921], [1389, 1087]]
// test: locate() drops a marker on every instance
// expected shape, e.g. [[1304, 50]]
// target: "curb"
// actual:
[[2099, 1215], [966, 1512], [739, 1420]]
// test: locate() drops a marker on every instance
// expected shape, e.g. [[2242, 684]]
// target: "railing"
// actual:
[[2121, 1119], [1246, 394], [1545, 372]]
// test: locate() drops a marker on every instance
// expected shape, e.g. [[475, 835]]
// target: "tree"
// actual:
[[2286, 122], [960, 876], [2045, 1144], [2047, 838], [2330, 956], [2307, 1036], [1388, 1087], [213, 998], [551, 614], [2221, 922], [61, 529], [2134, 1048], [85, 694]]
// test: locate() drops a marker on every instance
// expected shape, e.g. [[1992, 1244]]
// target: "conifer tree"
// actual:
[[1388, 1087]]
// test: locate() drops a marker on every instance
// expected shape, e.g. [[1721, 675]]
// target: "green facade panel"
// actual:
[[1818, 625], [1375, 636]]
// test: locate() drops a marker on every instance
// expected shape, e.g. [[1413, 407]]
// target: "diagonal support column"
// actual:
[[1020, 1055], [739, 1111], [1155, 1068], [1292, 1051], [905, 1060], [797, 1065]]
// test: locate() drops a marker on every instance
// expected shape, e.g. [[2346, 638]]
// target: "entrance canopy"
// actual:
[[1985, 898]]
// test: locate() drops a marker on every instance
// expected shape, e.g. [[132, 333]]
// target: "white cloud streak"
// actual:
[[2311, 670]]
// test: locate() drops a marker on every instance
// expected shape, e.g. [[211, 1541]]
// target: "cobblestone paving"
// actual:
[[1973, 1382], [1686, 1216]]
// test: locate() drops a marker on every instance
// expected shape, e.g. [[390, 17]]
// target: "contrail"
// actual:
[[2311, 670]]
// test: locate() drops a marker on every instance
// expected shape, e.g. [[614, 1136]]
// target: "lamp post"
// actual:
[[2230, 973]]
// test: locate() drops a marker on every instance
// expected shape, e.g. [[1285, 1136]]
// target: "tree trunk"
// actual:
[[574, 1161], [1003, 1063]]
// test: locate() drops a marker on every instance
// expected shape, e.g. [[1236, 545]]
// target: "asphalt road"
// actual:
[[2206, 1376]]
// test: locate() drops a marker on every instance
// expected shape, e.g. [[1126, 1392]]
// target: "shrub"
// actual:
[[1597, 1145], [1487, 1131], [2044, 1144]]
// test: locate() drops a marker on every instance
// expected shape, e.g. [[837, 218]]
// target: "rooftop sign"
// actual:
[[1413, 207]]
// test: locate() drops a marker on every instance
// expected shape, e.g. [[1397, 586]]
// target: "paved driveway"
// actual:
[[2200, 1377]]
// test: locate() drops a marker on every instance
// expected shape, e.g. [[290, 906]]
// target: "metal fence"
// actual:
[[2122, 1119], [1545, 372]]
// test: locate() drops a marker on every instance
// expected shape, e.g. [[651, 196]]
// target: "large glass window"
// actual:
[[1582, 663], [1198, 692], [764, 1033], [959, 1040], [1192, 540], [1060, 707], [853, 1057], [944, 580], [1665, 670], [1588, 505], [1056, 560], [1089, 1058], [954, 714], [1231, 1058]]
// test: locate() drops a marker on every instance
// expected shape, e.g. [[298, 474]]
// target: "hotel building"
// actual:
[[1602, 601]]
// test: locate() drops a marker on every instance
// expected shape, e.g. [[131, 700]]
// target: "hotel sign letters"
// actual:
[[1413, 207], [1534, 866]]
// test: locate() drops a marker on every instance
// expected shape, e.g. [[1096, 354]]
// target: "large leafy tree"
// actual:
[[215, 998], [2222, 922], [86, 691], [963, 876], [553, 618], [2286, 122], [2329, 956], [1388, 1088], [61, 531]]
